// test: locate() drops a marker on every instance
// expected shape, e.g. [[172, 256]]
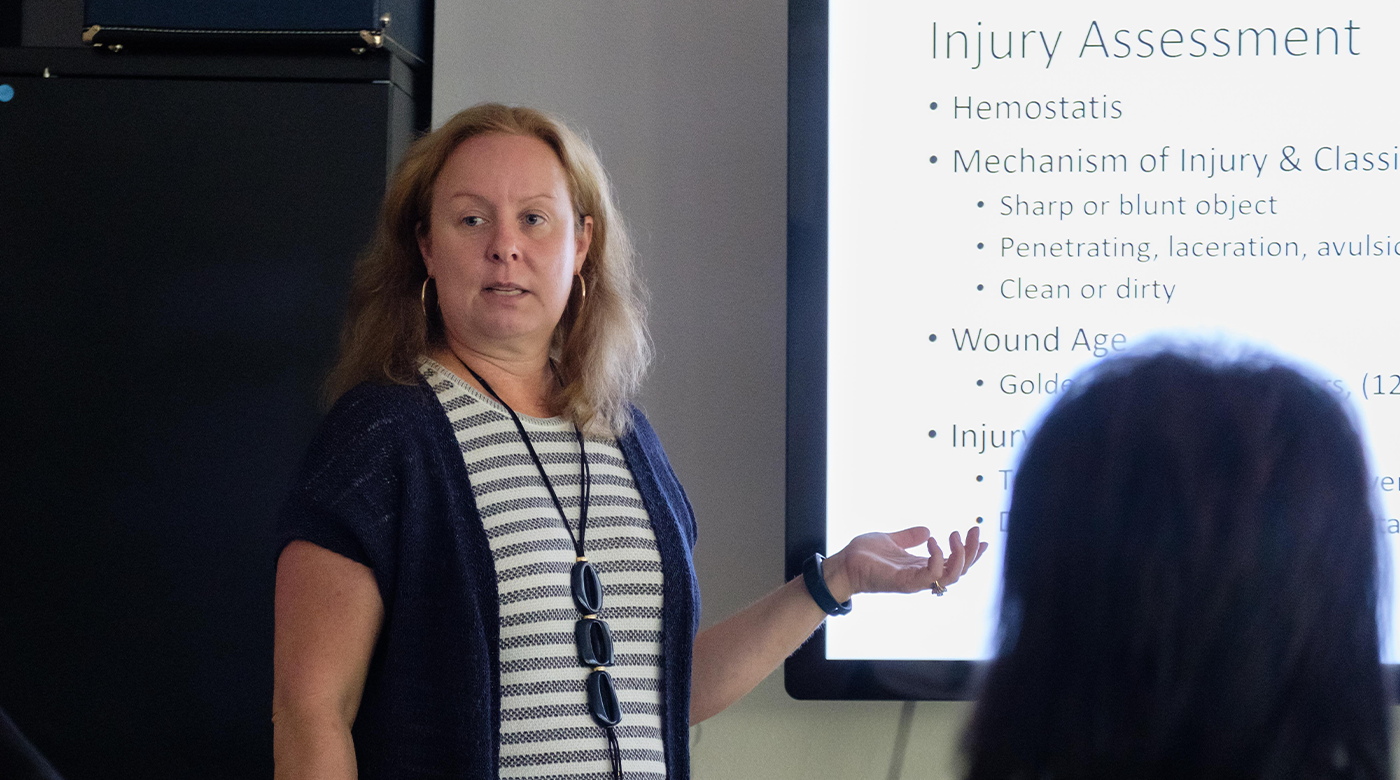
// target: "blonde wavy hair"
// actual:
[[600, 348]]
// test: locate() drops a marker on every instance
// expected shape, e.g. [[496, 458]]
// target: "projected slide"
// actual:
[[1018, 190]]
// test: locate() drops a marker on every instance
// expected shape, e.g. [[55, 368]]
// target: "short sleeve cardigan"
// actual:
[[384, 484]]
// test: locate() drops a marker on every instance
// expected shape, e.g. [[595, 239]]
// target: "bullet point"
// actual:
[[979, 520], [932, 337], [979, 383], [979, 244], [979, 288], [979, 477], [933, 159], [980, 204], [932, 434], [933, 106]]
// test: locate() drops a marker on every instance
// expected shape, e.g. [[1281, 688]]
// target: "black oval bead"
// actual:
[[586, 588], [595, 644], [602, 700]]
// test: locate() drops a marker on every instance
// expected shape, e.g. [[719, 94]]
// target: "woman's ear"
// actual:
[[583, 239]]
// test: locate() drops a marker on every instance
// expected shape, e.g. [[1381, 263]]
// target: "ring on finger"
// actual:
[[938, 589]]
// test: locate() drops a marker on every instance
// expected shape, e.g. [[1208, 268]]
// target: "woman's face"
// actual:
[[502, 243]]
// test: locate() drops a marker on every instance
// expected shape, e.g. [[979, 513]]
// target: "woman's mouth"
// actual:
[[505, 289]]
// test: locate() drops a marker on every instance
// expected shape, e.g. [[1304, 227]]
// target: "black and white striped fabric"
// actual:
[[546, 732]]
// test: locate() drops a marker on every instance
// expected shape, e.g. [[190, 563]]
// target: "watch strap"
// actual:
[[816, 585]]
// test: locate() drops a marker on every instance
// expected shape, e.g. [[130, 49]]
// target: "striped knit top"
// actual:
[[546, 731]]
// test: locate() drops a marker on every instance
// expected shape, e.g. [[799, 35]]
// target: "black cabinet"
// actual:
[[176, 238]]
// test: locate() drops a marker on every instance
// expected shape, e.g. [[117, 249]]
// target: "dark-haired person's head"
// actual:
[[1191, 584]]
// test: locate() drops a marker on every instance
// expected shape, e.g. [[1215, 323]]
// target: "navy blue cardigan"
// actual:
[[384, 484]]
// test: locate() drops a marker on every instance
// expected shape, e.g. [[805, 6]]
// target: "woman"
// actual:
[[487, 562], [1222, 618]]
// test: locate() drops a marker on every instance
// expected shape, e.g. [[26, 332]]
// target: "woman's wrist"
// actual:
[[837, 578]]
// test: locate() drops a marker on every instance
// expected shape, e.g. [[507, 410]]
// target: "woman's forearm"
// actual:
[[733, 657]]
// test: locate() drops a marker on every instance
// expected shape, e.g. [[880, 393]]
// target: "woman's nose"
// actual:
[[505, 244]]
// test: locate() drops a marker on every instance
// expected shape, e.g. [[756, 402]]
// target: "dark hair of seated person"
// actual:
[[1191, 584]]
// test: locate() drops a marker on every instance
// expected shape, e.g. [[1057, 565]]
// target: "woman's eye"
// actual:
[[534, 219], [472, 221]]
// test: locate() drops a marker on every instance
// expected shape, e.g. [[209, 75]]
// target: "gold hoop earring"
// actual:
[[582, 288], [423, 297]]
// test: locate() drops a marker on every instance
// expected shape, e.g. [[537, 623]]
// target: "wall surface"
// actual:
[[687, 103]]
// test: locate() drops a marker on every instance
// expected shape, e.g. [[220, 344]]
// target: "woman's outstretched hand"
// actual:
[[880, 563]]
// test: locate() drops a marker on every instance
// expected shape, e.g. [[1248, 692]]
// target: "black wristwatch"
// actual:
[[816, 585]]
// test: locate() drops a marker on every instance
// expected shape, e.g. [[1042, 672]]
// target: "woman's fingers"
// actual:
[[974, 546], [879, 562], [956, 560], [936, 561], [910, 537]]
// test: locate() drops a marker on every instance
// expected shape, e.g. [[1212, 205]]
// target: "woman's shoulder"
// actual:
[[371, 402], [639, 429], [380, 417], [367, 453]]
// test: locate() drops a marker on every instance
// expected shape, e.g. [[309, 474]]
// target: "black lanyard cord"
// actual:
[[585, 487]]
